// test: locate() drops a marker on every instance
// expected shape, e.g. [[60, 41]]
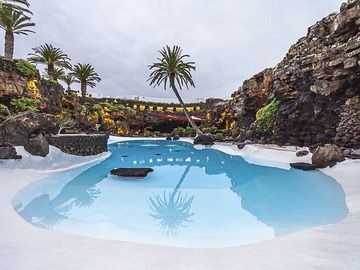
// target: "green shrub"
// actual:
[[235, 132], [266, 118], [148, 133], [219, 137], [26, 67], [97, 108], [4, 110], [131, 111], [179, 131], [206, 130], [189, 131], [25, 104]]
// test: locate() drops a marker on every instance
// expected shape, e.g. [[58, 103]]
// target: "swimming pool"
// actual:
[[194, 198]]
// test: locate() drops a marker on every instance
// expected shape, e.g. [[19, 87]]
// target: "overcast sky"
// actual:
[[230, 40]]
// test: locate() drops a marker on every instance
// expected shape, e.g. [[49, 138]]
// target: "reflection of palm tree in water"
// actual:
[[173, 209]]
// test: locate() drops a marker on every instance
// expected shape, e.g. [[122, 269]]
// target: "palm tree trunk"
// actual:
[[51, 69], [83, 90], [9, 45], [192, 123], [180, 182]]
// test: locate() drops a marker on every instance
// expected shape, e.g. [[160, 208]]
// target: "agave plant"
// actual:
[[173, 209], [85, 75], [52, 57], [172, 70], [13, 22]]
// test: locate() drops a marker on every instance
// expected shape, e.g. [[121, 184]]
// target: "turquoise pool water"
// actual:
[[194, 198]]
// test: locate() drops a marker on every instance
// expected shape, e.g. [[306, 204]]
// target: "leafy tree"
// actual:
[[85, 75], [13, 21], [50, 56], [68, 79], [171, 69]]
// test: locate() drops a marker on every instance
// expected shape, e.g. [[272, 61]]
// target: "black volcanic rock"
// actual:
[[204, 139], [8, 152], [38, 146], [317, 85], [131, 172], [303, 166]]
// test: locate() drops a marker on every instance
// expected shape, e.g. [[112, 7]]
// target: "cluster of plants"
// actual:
[[26, 67], [15, 19], [4, 110], [25, 104], [266, 118], [185, 132]]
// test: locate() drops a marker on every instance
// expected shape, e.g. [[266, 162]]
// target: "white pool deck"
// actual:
[[23, 246]]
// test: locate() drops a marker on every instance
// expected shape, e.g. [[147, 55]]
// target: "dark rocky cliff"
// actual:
[[317, 84]]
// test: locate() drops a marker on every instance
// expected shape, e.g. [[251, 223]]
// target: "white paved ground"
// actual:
[[23, 246]]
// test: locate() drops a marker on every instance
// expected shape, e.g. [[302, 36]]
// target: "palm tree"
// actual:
[[85, 75], [51, 56], [172, 69], [19, 5], [68, 79], [13, 22], [58, 73]]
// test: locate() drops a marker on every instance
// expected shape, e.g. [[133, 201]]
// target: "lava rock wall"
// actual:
[[317, 84]]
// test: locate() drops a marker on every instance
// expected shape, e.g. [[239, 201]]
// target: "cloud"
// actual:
[[230, 40]]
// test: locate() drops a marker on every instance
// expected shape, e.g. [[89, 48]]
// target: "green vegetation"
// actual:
[[97, 108], [18, 5], [148, 133], [235, 132], [57, 74], [266, 118], [68, 79], [131, 111], [26, 67], [219, 137], [190, 132], [50, 56], [179, 131], [172, 69], [13, 21], [4, 110], [85, 75], [25, 104]]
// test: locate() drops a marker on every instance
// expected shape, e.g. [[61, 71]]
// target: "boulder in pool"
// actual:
[[131, 172], [303, 166]]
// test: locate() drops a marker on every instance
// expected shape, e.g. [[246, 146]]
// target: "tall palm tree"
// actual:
[[13, 22], [68, 79], [172, 69], [85, 75], [51, 56]]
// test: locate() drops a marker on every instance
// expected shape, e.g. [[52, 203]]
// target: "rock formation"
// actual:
[[317, 84], [20, 129]]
